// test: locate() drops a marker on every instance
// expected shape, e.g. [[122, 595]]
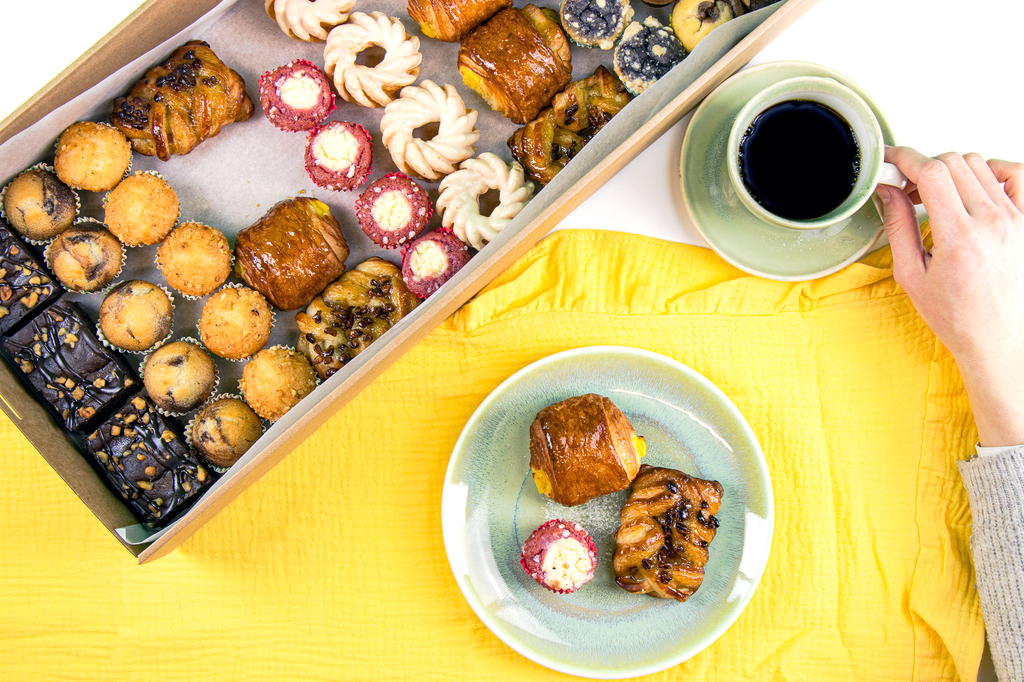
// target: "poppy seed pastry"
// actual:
[[39, 205], [136, 315], [225, 430], [195, 259], [86, 257], [141, 210], [646, 52], [595, 23], [92, 156], [235, 322], [179, 376], [275, 381], [393, 210], [145, 459], [560, 556], [25, 286], [296, 96]]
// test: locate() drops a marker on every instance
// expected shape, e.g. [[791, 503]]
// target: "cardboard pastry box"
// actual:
[[86, 89]]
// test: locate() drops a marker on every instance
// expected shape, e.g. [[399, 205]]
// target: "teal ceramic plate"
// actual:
[[490, 505], [736, 234]]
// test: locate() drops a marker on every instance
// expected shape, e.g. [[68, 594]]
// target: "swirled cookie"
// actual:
[[419, 105], [460, 193], [372, 86], [309, 20]]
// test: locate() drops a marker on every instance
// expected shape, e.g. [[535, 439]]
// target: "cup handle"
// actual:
[[891, 175]]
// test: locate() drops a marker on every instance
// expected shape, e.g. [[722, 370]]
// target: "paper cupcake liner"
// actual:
[[154, 173], [231, 266], [192, 422], [113, 280], [213, 390], [199, 330], [3, 211], [103, 339], [316, 378]]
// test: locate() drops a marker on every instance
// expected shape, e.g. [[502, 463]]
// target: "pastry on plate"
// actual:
[[144, 458], [136, 315], [86, 257], [275, 380], [76, 376], [141, 210], [195, 259], [646, 52], [92, 156], [452, 20], [25, 286], [393, 210], [292, 253], [432, 260], [517, 61], [296, 96], [560, 556], [180, 102], [352, 313], [583, 447], [666, 525], [595, 23], [235, 322], [179, 376], [225, 430], [309, 20], [372, 86], [38, 205]]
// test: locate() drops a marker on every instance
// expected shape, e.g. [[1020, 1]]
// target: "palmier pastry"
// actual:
[[667, 523], [546, 144], [372, 86], [452, 20], [517, 61], [181, 102], [352, 313], [582, 448], [290, 254], [308, 20]]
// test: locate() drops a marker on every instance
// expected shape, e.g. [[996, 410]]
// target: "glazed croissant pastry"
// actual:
[[293, 252], [582, 448], [667, 523], [352, 313], [452, 20], [181, 102], [517, 61], [546, 144]]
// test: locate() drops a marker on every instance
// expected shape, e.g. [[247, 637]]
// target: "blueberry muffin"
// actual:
[[86, 257], [136, 315], [595, 23], [179, 376], [225, 430], [646, 52]]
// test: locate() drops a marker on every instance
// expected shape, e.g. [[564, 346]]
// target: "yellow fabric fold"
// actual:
[[332, 566]]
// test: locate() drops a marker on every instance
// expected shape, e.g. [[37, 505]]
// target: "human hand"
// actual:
[[969, 288]]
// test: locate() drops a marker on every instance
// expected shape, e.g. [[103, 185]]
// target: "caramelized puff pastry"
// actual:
[[667, 523], [181, 102], [452, 20], [352, 313], [546, 144], [582, 448], [517, 61], [293, 252]]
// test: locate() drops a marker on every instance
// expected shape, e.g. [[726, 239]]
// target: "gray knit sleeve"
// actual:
[[995, 488]]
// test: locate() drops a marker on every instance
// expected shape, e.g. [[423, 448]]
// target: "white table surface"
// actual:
[[947, 78]]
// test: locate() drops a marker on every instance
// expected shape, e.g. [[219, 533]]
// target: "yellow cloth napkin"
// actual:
[[332, 566]]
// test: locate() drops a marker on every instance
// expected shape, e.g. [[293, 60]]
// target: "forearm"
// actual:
[[997, 401]]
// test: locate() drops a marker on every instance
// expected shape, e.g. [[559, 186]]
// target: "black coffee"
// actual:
[[799, 159]]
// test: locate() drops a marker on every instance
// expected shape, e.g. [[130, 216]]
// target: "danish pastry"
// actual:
[[517, 61], [372, 86], [452, 20], [417, 106], [461, 191], [309, 20], [667, 523]]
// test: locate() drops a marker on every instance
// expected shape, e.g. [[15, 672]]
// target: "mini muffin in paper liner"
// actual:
[[193, 297], [249, 399], [106, 288], [155, 174], [199, 329], [3, 203], [213, 390], [131, 154], [264, 425], [103, 339]]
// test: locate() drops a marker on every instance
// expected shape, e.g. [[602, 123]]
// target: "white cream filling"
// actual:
[[336, 149], [566, 563], [392, 211], [299, 92], [428, 260]]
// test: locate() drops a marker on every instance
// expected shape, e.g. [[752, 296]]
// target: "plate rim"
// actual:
[[684, 653]]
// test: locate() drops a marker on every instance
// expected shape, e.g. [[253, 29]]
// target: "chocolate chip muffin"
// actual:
[[179, 376], [39, 205], [85, 257], [136, 315], [225, 430]]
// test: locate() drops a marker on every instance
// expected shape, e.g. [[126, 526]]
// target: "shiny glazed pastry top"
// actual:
[[583, 447], [452, 20]]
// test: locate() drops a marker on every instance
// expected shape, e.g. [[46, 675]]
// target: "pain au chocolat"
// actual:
[[583, 447]]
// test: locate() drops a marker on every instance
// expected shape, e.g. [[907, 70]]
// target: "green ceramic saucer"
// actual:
[[489, 506], [736, 234]]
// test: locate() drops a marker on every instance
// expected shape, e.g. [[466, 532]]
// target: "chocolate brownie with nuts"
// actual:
[[145, 458], [25, 285], [65, 363]]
